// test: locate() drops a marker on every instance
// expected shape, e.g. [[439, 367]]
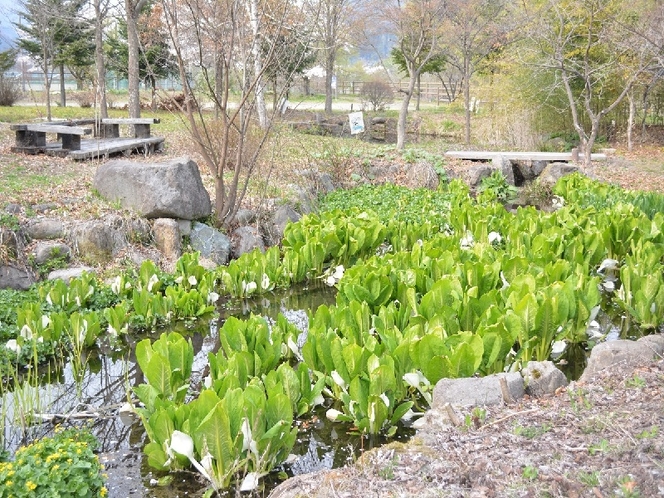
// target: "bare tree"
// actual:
[[101, 10], [332, 22], [593, 50], [215, 38], [474, 30], [257, 56], [133, 10], [451, 80], [417, 25]]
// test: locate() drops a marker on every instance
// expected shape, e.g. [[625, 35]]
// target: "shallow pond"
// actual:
[[97, 395], [109, 374]]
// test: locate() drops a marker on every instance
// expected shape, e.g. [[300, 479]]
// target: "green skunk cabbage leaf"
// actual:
[[336, 351], [382, 380], [359, 391], [201, 406], [215, 433], [526, 310], [400, 411], [158, 374], [291, 385], [278, 409], [377, 413], [232, 336], [353, 356], [147, 395], [160, 426], [156, 455]]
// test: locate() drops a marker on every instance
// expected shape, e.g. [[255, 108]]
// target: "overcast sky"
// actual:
[[7, 32]]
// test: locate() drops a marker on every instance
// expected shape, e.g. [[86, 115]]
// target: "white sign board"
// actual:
[[356, 122]]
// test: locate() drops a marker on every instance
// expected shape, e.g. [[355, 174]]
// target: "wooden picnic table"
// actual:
[[110, 127], [31, 138]]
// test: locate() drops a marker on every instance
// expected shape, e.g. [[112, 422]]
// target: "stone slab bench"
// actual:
[[477, 155], [110, 127], [32, 137]]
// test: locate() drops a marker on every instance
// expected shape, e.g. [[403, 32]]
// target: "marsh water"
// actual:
[[95, 391]]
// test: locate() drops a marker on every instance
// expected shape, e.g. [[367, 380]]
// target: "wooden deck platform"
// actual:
[[97, 148], [104, 147], [477, 155], [31, 138]]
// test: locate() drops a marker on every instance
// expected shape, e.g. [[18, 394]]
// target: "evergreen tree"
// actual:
[[53, 34]]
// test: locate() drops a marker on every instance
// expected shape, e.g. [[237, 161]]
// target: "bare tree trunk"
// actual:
[[47, 81], [630, 122], [403, 112], [132, 11], [419, 92], [153, 100], [259, 88], [100, 63], [329, 73], [466, 98], [218, 81], [63, 94]]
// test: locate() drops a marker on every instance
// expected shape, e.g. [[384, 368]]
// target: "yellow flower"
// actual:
[[10, 473], [10, 483], [103, 492], [55, 468], [30, 485]]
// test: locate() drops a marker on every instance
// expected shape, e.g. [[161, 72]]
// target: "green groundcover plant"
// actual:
[[58, 466]]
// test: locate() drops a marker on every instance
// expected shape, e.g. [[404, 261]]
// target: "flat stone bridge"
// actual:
[[479, 155]]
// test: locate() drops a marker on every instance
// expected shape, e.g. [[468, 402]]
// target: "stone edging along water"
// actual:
[[452, 398]]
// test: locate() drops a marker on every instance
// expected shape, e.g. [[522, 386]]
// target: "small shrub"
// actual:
[[10, 91], [537, 193], [84, 99], [376, 95], [496, 188], [62, 465]]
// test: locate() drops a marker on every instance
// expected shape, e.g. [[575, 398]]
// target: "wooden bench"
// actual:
[[110, 127], [32, 137]]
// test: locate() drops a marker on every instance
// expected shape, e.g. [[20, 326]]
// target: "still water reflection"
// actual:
[[96, 398]]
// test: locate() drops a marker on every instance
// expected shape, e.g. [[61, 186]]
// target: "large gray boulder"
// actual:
[[171, 189], [623, 353], [45, 229], [504, 165], [477, 391], [98, 241], [475, 174], [211, 243], [246, 239], [47, 251], [542, 378], [15, 277], [555, 171], [68, 274], [167, 237], [281, 217]]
